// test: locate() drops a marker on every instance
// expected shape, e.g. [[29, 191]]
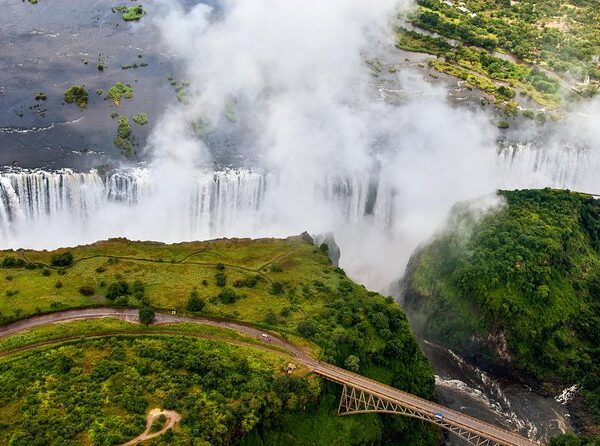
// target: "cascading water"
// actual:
[[35, 194], [512, 405], [216, 204], [535, 165]]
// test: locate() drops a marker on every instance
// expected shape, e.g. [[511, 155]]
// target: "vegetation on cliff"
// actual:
[[286, 286], [521, 285]]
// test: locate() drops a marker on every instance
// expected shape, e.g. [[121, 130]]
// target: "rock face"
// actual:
[[333, 250], [517, 289]]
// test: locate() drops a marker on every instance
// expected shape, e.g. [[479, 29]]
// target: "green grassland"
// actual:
[[543, 50], [286, 286], [521, 286]]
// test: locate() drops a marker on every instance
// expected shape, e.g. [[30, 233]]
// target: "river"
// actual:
[[516, 407]]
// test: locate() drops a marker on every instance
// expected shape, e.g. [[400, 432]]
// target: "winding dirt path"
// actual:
[[172, 419]]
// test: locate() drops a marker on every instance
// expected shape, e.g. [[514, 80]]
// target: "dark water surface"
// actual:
[[44, 48]]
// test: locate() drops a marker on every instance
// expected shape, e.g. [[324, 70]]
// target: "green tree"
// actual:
[[352, 363], [146, 315], [62, 259], [195, 303]]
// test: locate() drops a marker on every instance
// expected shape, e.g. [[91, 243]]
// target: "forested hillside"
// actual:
[[519, 287]]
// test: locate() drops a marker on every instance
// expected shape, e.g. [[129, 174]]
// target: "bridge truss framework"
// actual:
[[355, 401]]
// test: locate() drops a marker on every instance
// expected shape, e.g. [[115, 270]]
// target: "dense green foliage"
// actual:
[[572, 440], [78, 95], [62, 259], [133, 13], [98, 392], [286, 286], [119, 90], [560, 34], [124, 139], [522, 285], [146, 315]]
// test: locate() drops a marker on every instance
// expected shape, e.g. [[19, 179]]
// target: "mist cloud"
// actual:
[[297, 75]]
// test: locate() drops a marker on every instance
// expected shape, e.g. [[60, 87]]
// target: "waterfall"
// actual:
[[32, 194], [533, 165], [240, 202]]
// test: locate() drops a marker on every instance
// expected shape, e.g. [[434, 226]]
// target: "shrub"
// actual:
[[58, 284], [12, 262], [277, 288], [100, 269], [204, 282], [285, 312], [271, 318], [248, 282], [221, 279], [9, 277], [86, 290], [138, 289], [228, 296], [11, 293], [352, 363], [122, 301], [46, 272], [117, 289], [146, 315], [141, 119], [133, 13], [124, 129], [321, 287], [117, 91], [345, 287], [276, 268], [194, 302], [63, 259]]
